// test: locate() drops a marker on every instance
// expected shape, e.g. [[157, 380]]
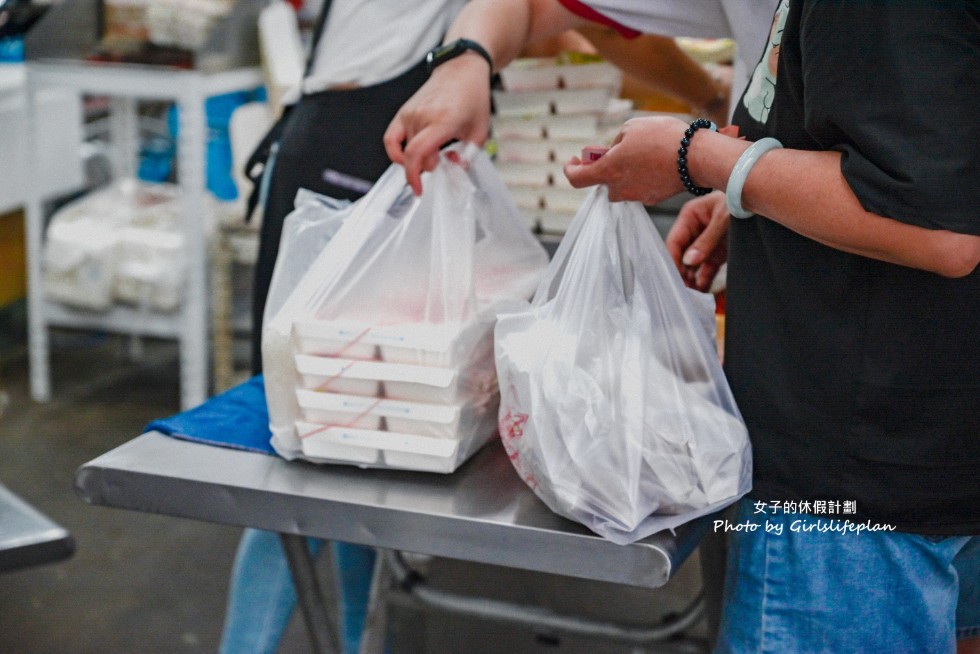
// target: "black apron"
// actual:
[[331, 143]]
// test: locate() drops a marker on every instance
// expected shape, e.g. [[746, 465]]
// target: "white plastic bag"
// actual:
[[306, 231], [614, 408], [382, 355]]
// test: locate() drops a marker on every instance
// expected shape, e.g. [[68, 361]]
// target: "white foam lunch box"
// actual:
[[372, 448]]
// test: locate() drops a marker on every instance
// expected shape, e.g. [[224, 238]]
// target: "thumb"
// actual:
[[581, 174]]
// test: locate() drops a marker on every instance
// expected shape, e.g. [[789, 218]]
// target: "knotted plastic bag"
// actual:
[[614, 407]]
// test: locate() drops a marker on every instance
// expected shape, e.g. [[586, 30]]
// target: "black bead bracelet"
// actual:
[[691, 187]]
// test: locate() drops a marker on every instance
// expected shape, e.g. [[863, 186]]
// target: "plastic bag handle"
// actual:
[[596, 215]]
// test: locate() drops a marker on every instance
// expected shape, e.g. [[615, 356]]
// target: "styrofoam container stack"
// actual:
[[546, 112], [548, 73], [414, 396], [124, 244]]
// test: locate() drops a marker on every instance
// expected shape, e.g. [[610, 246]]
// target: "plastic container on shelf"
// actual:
[[150, 268], [79, 262], [121, 244]]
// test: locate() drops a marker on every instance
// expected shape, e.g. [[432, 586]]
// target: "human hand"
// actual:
[[698, 240], [641, 164], [453, 104]]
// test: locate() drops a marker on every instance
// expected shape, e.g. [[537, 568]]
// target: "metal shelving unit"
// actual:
[[56, 52], [126, 84]]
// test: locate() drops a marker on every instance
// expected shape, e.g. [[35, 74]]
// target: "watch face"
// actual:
[[444, 53]]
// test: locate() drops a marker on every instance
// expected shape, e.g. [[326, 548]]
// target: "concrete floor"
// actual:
[[141, 583]]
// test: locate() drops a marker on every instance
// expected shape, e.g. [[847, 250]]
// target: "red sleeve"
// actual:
[[579, 8]]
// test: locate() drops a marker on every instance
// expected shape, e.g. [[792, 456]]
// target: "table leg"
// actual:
[[34, 219], [713, 551], [192, 176], [308, 592], [376, 625]]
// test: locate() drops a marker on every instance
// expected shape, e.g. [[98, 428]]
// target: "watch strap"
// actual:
[[443, 53]]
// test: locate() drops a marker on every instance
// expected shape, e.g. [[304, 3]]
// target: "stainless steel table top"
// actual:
[[483, 512], [28, 537]]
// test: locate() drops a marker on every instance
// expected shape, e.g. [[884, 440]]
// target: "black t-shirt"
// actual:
[[860, 380]]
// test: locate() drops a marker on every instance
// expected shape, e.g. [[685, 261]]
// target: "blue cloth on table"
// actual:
[[237, 418]]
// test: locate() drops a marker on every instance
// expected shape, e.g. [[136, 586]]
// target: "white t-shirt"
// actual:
[[745, 21], [369, 41]]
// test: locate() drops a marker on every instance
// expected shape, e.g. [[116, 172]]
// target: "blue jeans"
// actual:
[[262, 595], [792, 589]]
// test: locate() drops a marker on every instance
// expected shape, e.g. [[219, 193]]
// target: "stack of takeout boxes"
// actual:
[[413, 396], [124, 244], [548, 110], [382, 353], [409, 390]]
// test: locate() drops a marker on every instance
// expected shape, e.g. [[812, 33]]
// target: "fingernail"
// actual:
[[691, 257]]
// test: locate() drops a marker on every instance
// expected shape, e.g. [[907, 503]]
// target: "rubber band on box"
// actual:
[[350, 424]]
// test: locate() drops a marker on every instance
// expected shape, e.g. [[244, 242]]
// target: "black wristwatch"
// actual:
[[443, 53]]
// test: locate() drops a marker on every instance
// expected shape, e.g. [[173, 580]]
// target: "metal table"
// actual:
[[483, 512], [27, 537]]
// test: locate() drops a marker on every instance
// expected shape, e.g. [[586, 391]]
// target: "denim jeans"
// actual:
[[796, 587], [262, 596]]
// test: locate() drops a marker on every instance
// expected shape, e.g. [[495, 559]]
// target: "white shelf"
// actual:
[[119, 319], [126, 84], [60, 116]]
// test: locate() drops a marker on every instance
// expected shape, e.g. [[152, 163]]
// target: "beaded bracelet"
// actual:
[[691, 187]]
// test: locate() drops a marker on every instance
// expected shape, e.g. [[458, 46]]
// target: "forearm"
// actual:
[[658, 62], [807, 193], [504, 27], [455, 101]]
